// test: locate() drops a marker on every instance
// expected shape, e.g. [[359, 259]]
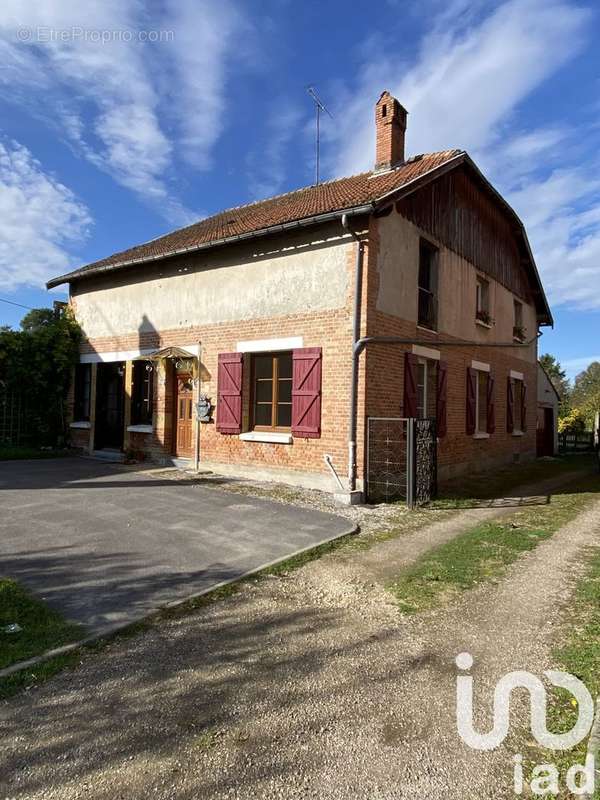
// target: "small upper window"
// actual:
[[272, 390], [142, 393], [519, 330], [427, 299], [482, 312], [83, 383]]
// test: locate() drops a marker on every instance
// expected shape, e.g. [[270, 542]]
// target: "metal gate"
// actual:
[[401, 460]]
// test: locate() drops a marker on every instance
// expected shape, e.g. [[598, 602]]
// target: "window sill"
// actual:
[[139, 428], [83, 425], [266, 436], [481, 435], [483, 324], [426, 328], [519, 340], [518, 433]]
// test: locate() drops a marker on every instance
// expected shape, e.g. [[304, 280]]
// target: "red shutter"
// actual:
[[491, 405], [411, 364], [306, 392], [524, 407], [471, 400], [441, 404], [229, 393], [510, 406]]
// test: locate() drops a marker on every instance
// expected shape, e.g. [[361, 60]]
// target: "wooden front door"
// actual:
[[184, 414]]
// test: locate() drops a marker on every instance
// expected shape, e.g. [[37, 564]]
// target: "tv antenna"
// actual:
[[319, 106]]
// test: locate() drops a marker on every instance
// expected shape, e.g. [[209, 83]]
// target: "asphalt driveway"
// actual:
[[106, 545]]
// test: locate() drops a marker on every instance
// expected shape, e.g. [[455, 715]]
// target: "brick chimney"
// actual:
[[390, 122]]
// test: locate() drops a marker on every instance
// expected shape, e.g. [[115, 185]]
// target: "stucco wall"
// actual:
[[237, 283], [398, 259]]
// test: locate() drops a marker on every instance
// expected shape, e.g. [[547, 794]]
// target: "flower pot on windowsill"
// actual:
[[484, 319], [519, 333]]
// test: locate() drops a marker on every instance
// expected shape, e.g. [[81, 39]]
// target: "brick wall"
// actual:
[[330, 330]]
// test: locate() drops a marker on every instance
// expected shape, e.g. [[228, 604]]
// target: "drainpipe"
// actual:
[[198, 423], [358, 274]]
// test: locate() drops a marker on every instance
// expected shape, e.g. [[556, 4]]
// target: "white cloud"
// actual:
[[573, 366], [204, 35], [464, 89], [267, 169], [111, 97], [40, 219]]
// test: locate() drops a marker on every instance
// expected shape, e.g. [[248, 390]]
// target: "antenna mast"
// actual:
[[319, 106]]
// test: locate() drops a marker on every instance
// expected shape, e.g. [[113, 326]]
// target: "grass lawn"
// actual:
[[42, 629], [14, 453], [483, 553], [464, 491]]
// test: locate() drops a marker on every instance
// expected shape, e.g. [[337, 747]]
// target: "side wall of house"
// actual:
[[298, 286], [393, 311]]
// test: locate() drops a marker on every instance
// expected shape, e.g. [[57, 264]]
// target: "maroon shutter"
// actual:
[[229, 393], [471, 400], [441, 404], [524, 407], [510, 406], [411, 364], [306, 392], [491, 405]]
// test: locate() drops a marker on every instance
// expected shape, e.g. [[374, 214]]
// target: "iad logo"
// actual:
[[545, 776]]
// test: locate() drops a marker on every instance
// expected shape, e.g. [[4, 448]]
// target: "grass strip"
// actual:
[[41, 628], [484, 552], [16, 453]]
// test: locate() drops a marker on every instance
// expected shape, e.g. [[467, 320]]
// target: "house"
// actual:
[[548, 402], [406, 291]]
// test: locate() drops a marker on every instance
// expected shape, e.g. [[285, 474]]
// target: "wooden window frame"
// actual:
[[478, 401], [517, 383], [274, 355], [138, 401], [82, 405], [432, 291], [482, 298], [429, 365]]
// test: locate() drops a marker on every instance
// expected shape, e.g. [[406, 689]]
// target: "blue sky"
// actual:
[[123, 119]]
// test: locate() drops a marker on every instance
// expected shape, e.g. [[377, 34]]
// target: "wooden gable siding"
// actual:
[[463, 218]]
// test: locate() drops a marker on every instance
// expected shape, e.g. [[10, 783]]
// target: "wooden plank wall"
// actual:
[[459, 214]]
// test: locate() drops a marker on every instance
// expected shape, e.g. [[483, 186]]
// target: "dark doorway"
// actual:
[[545, 433], [109, 406]]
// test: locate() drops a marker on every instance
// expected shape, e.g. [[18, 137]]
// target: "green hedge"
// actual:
[[36, 365]]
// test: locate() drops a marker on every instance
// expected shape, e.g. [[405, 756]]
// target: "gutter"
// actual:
[[238, 237]]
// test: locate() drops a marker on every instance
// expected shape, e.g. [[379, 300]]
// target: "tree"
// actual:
[[573, 422], [586, 391], [36, 366], [558, 378]]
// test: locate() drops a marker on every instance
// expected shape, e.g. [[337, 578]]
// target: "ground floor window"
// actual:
[[426, 388], [272, 391], [481, 402], [83, 385], [517, 405], [142, 393]]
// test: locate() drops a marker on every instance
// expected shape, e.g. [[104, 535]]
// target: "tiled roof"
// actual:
[[311, 201]]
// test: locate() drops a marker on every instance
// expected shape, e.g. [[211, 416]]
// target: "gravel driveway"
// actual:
[[107, 544], [305, 686]]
